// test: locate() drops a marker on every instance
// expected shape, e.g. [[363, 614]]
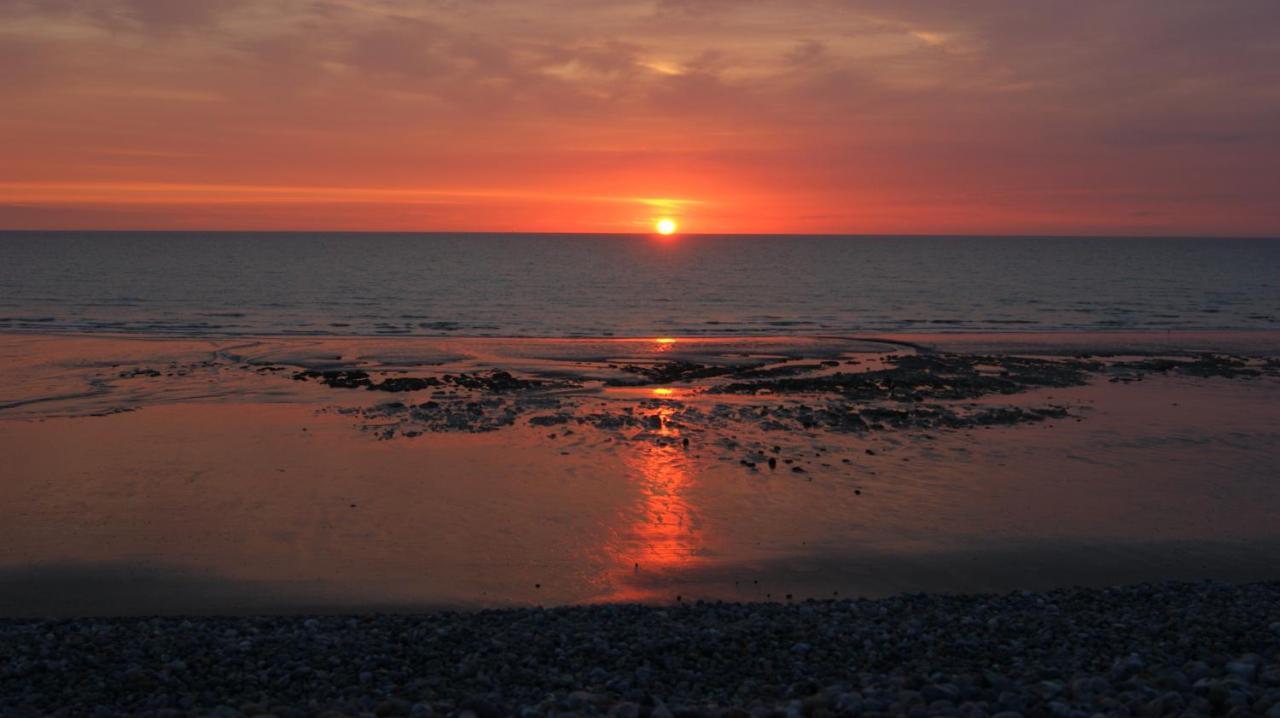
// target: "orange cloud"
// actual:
[[570, 115]]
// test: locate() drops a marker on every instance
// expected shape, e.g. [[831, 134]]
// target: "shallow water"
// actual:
[[584, 285], [216, 485]]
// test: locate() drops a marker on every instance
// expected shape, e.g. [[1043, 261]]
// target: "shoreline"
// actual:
[[125, 591], [1245, 342]]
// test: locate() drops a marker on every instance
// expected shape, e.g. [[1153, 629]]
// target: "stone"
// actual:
[[1242, 670]]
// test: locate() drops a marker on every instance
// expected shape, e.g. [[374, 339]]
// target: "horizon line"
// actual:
[[472, 232]]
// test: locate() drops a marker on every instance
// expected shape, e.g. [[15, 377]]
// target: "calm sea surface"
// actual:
[[582, 285]]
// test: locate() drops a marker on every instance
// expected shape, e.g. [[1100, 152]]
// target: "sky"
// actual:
[[1143, 117]]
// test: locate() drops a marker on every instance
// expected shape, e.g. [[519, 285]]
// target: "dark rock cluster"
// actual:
[[923, 391], [495, 381], [920, 377], [1200, 365]]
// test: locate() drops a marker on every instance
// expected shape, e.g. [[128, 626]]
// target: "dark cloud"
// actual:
[[1162, 137], [24, 64], [694, 8], [137, 15], [806, 54]]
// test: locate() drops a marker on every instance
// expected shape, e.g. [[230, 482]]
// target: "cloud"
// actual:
[[837, 97], [129, 15]]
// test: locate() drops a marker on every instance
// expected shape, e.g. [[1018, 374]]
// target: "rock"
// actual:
[[1242, 670], [400, 384], [848, 702], [1197, 670], [660, 710], [941, 691], [337, 378], [482, 708], [1127, 666], [942, 707], [625, 709], [1049, 689], [1090, 686]]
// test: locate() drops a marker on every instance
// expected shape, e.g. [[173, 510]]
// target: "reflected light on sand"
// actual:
[[663, 535], [664, 415]]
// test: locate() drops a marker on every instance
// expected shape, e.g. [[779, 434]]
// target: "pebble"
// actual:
[[1242, 670], [1153, 649]]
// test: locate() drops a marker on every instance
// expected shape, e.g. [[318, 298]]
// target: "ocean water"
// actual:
[[195, 283]]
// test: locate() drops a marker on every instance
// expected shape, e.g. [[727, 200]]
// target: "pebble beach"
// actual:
[[1169, 649]]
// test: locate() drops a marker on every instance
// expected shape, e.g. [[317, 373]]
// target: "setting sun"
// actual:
[[665, 226]]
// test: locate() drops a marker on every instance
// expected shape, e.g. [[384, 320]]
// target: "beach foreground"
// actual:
[[1194, 649], [279, 475]]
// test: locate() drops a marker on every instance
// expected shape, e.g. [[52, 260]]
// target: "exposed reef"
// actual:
[[914, 391]]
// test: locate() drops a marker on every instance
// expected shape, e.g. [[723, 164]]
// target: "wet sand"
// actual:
[[179, 476]]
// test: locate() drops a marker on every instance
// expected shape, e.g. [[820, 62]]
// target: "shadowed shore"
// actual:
[[121, 588], [1152, 650]]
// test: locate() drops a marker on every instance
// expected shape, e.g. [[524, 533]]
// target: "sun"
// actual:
[[665, 225]]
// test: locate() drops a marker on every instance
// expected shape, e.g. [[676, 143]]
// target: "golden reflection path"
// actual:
[[661, 533]]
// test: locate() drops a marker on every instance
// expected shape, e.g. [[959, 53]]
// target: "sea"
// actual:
[[542, 285]]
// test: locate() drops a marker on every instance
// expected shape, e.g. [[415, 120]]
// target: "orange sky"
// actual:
[[875, 116]]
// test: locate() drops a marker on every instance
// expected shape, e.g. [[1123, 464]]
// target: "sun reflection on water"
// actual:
[[662, 534]]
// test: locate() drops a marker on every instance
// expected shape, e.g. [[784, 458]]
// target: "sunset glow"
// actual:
[[805, 117], [639, 357]]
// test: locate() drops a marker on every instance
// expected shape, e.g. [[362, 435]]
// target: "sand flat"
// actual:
[[181, 476]]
